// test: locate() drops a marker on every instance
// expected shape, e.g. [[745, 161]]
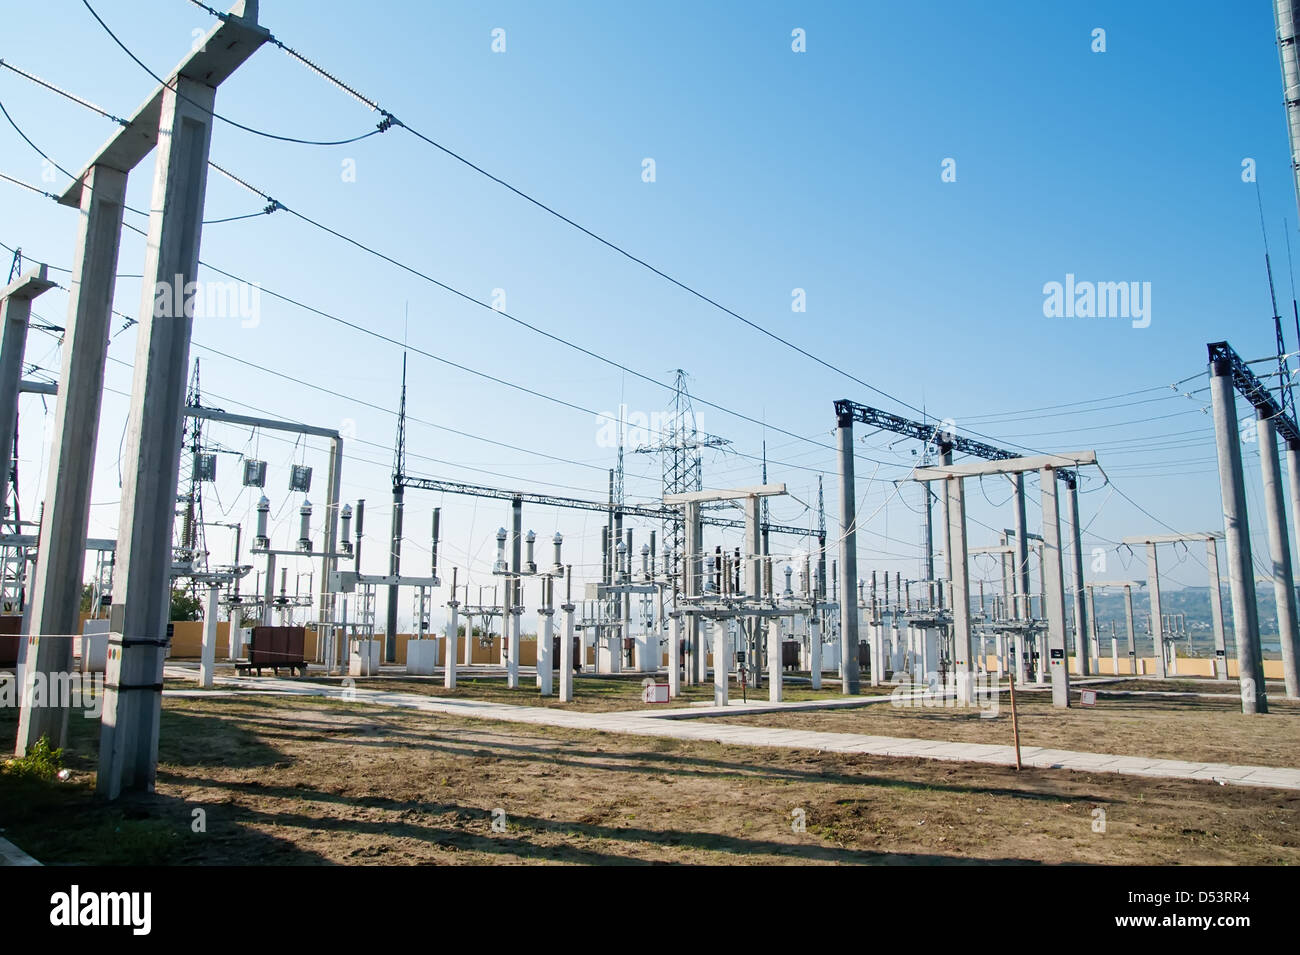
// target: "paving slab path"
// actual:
[[639, 723]]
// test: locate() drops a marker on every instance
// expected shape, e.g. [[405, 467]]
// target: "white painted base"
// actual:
[[421, 657], [364, 660]]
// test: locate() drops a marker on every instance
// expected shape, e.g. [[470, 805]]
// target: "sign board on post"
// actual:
[[1087, 697], [654, 692]]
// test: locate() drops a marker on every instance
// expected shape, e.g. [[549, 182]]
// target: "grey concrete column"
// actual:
[[775, 670], [674, 654], [815, 652], [753, 582], [1279, 551], [1236, 529], [1216, 608], [1020, 567], [510, 625], [1082, 614], [848, 560], [1157, 620], [690, 563], [566, 656], [1128, 622], [449, 654], [721, 667], [268, 592], [959, 573], [61, 557], [207, 658], [1054, 590], [15, 318], [1093, 636], [329, 563], [128, 749], [394, 568], [545, 640]]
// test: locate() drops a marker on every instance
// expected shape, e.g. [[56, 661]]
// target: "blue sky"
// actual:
[[775, 170]]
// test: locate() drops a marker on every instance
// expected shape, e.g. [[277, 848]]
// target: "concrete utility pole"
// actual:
[[100, 194], [181, 125], [1054, 590], [1216, 607], [848, 594], [1083, 617], [1236, 528], [15, 317], [959, 573], [1279, 548], [1157, 619]]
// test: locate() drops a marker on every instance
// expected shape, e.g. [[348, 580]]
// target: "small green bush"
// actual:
[[41, 762]]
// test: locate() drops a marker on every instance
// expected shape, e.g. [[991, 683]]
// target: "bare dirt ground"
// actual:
[[1171, 727], [288, 781]]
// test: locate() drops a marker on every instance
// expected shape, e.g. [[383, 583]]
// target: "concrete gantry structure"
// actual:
[[1054, 571], [1163, 652], [1229, 374], [1128, 586], [175, 122], [693, 561]]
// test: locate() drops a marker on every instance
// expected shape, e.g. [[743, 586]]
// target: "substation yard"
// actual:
[[292, 780]]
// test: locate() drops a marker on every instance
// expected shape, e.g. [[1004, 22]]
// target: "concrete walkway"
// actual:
[[636, 723], [10, 854]]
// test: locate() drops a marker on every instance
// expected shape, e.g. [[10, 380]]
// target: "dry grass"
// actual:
[[286, 781]]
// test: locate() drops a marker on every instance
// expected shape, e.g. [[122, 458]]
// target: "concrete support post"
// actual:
[[674, 654], [128, 750], [1279, 550], [1236, 528], [959, 572], [815, 652], [1020, 567], [268, 592], [566, 656], [848, 560], [1083, 618], [207, 658], [1091, 624], [15, 317], [775, 670], [721, 669], [1128, 621], [753, 583], [510, 625], [1054, 590], [55, 593], [1216, 606], [1293, 475], [330, 544], [545, 640], [449, 654], [1157, 621], [394, 568]]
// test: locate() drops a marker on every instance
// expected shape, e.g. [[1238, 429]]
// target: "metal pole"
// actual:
[[1279, 548], [1236, 528], [848, 560]]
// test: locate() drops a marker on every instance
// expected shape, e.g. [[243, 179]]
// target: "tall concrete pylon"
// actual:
[[179, 118], [1236, 529]]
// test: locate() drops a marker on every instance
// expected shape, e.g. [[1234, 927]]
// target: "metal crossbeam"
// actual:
[[1254, 390], [921, 431], [553, 500]]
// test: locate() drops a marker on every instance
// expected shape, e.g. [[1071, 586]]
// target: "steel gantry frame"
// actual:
[[847, 412]]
